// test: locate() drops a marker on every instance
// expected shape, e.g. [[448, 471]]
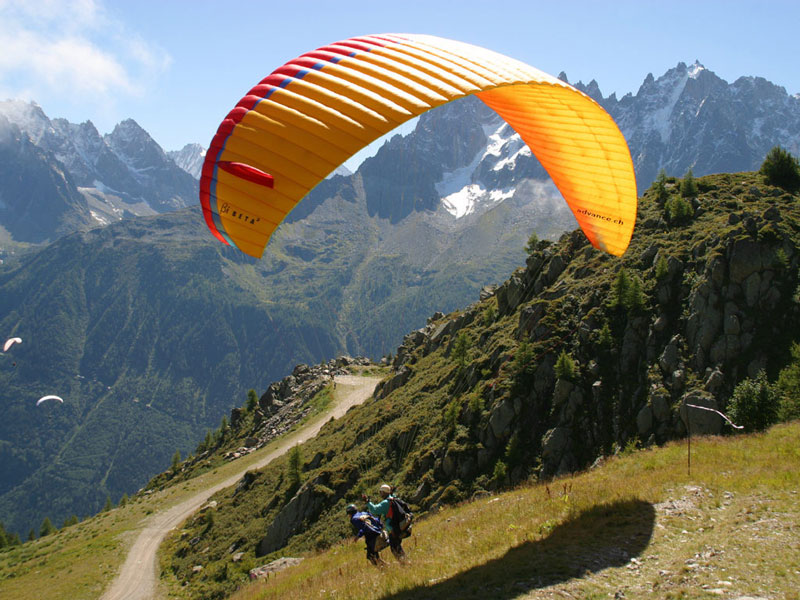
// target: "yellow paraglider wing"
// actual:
[[310, 115]]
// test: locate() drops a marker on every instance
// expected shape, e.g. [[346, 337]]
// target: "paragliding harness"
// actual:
[[400, 516], [375, 536]]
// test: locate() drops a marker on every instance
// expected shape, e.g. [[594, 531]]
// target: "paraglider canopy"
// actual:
[[45, 398], [310, 115], [10, 342]]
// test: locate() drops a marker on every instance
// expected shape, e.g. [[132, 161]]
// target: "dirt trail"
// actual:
[[137, 578]]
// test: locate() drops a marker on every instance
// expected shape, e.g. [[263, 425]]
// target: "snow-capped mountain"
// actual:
[[691, 118], [461, 158], [38, 197], [122, 173]]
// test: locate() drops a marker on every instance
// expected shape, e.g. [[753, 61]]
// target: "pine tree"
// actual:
[[176, 461], [636, 300], [461, 349], [621, 289], [108, 505], [295, 465], [604, 338], [47, 528], [660, 187], [689, 185], [565, 367], [70, 521], [252, 400], [662, 268], [533, 241]]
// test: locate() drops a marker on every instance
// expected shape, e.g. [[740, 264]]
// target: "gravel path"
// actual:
[[137, 578]]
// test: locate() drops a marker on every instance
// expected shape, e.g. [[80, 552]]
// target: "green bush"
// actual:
[[677, 210], [451, 413], [489, 315], [500, 472], [781, 169], [754, 403], [788, 385]]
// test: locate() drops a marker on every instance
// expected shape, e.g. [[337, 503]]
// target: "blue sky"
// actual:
[[177, 67]]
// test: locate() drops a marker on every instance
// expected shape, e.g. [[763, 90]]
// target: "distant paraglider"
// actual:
[[10, 342], [45, 398]]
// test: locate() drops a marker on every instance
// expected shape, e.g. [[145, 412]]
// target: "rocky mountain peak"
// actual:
[[190, 158]]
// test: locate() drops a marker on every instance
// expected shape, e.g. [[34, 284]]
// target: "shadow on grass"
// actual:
[[605, 536]]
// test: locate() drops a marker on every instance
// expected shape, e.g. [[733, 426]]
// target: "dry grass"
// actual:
[[637, 527]]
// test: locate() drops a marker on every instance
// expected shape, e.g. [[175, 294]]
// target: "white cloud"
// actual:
[[74, 50]]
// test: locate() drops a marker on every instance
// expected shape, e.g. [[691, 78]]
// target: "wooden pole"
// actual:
[[688, 444]]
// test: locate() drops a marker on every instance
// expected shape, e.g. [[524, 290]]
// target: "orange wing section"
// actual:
[[310, 115]]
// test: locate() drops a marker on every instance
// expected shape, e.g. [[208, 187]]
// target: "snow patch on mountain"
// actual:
[[695, 70], [670, 90], [460, 191]]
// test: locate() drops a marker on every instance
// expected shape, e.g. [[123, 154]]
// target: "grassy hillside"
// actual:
[[637, 526], [568, 362]]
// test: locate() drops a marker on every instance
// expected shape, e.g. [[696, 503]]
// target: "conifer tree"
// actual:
[[621, 289], [68, 522], [252, 400], [565, 367], [461, 349], [781, 169], [662, 268], [47, 527], [636, 298], [660, 187], [108, 505], [689, 185], [533, 241], [176, 461], [295, 464]]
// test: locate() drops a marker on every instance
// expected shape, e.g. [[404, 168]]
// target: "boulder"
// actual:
[[305, 505], [509, 295], [273, 567], [501, 418], [744, 259], [644, 421]]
